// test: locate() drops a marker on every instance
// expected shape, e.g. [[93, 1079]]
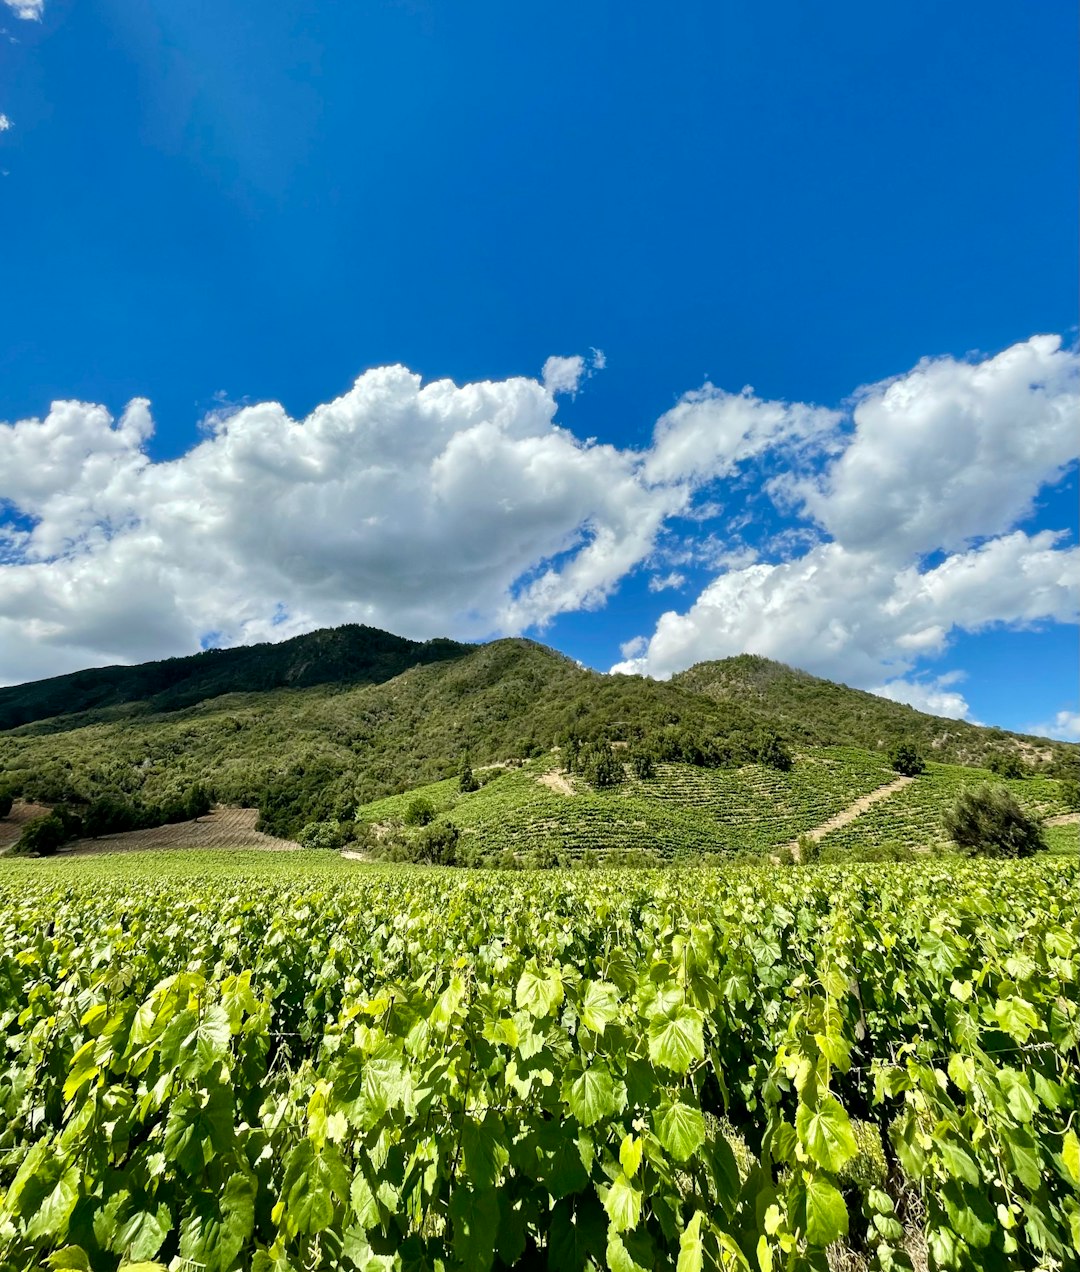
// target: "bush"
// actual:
[[43, 836], [420, 811], [438, 844], [601, 767], [988, 822], [906, 759], [6, 801], [769, 749], [330, 834], [641, 762], [1007, 764]]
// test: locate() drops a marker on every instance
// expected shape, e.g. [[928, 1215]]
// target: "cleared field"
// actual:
[[222, 828], [11, 826]]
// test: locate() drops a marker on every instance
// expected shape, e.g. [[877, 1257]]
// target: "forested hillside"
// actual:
[[317, 727]]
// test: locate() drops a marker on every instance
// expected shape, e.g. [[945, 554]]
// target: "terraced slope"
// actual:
[[912, 817], [681, 810]]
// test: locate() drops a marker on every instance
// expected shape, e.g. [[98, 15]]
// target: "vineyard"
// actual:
[[287, 1061], [913, 816], [683, 809]]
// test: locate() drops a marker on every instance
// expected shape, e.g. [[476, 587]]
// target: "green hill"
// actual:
[[342, 655], [323, 725], [828, 713], [539, 814]]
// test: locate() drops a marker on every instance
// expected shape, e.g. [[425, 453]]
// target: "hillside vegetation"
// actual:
[[828, 713], [315, 728], [540, 815]]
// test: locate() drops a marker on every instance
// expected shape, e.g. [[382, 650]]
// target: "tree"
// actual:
[[438, 844], [420, 811], [6, 801], [770, 750], [907, 760], [197, 803], [466, 777], [641, 761], [601, 768], [1007, 764], [988, 822], [42, 837]]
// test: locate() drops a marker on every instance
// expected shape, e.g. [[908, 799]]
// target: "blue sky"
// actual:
[[224, 206]]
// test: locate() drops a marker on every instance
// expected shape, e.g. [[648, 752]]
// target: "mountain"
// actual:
[[834, 714], [342, 655], [323, 724]]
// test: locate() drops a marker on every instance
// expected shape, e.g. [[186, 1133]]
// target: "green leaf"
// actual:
[[959, 1162], [51, 1217], [825, 1132], [312, 1180], [198, 1128], [1017, 1017], [141, 1235], [826, 1213], [591, 1095], [680, 1128], [70, 1259], [474, 1219], [599, 1006], [577, 1232], [678, 1041], [1070, 1155], [691, 1246], [539, 995], [630, 1154], [621, 1259], [622, 1201]]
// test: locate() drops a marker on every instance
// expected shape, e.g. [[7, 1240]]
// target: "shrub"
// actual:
[[1007, 764], [906, 759], [988, 822], [330, 834], [438, 844], [769, 749], [43, 836], [419, 812], [601, 767], [6, 801], [641, 761]]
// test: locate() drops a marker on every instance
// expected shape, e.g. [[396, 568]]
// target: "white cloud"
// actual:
[[950, 452], [31, 10], [467, 510], [1065, 727], [5, 123], [932, 696], [661, 583], [424, 509], [565, 375], [944, 460], [708, 433]]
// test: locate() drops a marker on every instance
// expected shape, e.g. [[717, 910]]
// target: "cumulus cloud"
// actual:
[[949, 452], [468, 511], [1065, 727], [933, 696], [425, 509], [5, 123], [31, 10], [936, 466]]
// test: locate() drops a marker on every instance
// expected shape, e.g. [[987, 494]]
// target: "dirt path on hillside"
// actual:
[[849, 814], [1063, 819], [556, 781]]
